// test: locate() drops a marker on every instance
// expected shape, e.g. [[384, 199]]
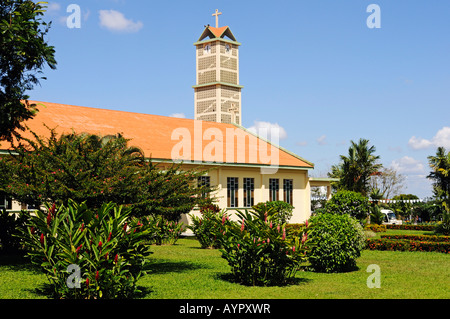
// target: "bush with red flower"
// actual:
[[260, 251], [106, 245]]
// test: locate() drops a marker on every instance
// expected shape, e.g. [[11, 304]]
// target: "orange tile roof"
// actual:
[[218, 31], [157, 135]]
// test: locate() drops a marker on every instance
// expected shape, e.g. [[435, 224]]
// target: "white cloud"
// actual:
[[53, 8], [407, 165], [301, 143], [442, 138], [179, 115], [270, 131], [322, 140], [115, 21]]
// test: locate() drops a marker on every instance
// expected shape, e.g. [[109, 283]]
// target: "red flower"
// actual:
[[284, 234], [87, 282], [42, 239], [96, 276], [53, 209], [243, 225], [304, 238], [306, 223], [109, 237], [100, 244], [116, 258], [79, 248], [32, 230], [49, 218]]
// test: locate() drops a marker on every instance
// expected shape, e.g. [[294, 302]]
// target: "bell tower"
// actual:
[[217, 91]]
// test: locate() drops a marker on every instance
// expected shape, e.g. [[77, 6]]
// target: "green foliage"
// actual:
[[109, 250], [10, 226], [375, 228], [412, 227], [408, 245], [259, 252], [348, 202], [209, 227], [23, 54], [163, 231], [376, 217], [444, 226], [98, 170], [440, 175], [282, 210], [355, 169], [337, 241]]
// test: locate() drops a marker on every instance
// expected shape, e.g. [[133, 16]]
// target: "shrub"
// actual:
[[444, 226], [336, 242], [282, 210], [10, 226], [209, 227], [348, 202], [296, 229], [375, 228], [376, 217], [162, 231], [108, 252], [412, 227], [259, 252]]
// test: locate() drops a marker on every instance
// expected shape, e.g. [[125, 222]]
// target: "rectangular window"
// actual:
[[274, 188], [288, 190], [232, 191], [204, 181], [249, 190]]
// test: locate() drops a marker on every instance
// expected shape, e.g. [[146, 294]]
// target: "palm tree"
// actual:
[[356, 168], [440, 174]]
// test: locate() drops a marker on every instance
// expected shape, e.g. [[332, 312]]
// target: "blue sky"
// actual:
[[312, 67]]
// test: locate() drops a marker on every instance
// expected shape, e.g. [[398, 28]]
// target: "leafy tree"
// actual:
[[402, 206], [355, 169], [23, 54], [387, 181], [347, 203], [97, 170]]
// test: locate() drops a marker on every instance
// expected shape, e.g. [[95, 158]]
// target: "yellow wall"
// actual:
[[301, 188]]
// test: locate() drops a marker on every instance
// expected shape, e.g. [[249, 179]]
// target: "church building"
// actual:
[[246, 168]]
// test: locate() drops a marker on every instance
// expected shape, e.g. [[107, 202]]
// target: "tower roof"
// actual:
[[217, 33]]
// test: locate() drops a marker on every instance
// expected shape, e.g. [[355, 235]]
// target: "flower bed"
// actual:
[[432, 238], [412, 227], [375, 228], [408, 245]]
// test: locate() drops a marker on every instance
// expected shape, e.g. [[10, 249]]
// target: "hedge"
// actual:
[[375, 228], [432, 238], [412, 227], [408, 245]]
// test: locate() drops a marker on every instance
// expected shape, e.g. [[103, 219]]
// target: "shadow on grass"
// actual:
[[293, 281], [18, 262], [47, 291], [162, 266]]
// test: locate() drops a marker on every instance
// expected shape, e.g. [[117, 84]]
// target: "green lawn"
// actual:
[[185, 271]]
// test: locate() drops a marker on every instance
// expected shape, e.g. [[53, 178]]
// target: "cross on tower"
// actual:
[[217, 14]]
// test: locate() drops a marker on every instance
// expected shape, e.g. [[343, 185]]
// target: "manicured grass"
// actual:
[[185, 271]]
